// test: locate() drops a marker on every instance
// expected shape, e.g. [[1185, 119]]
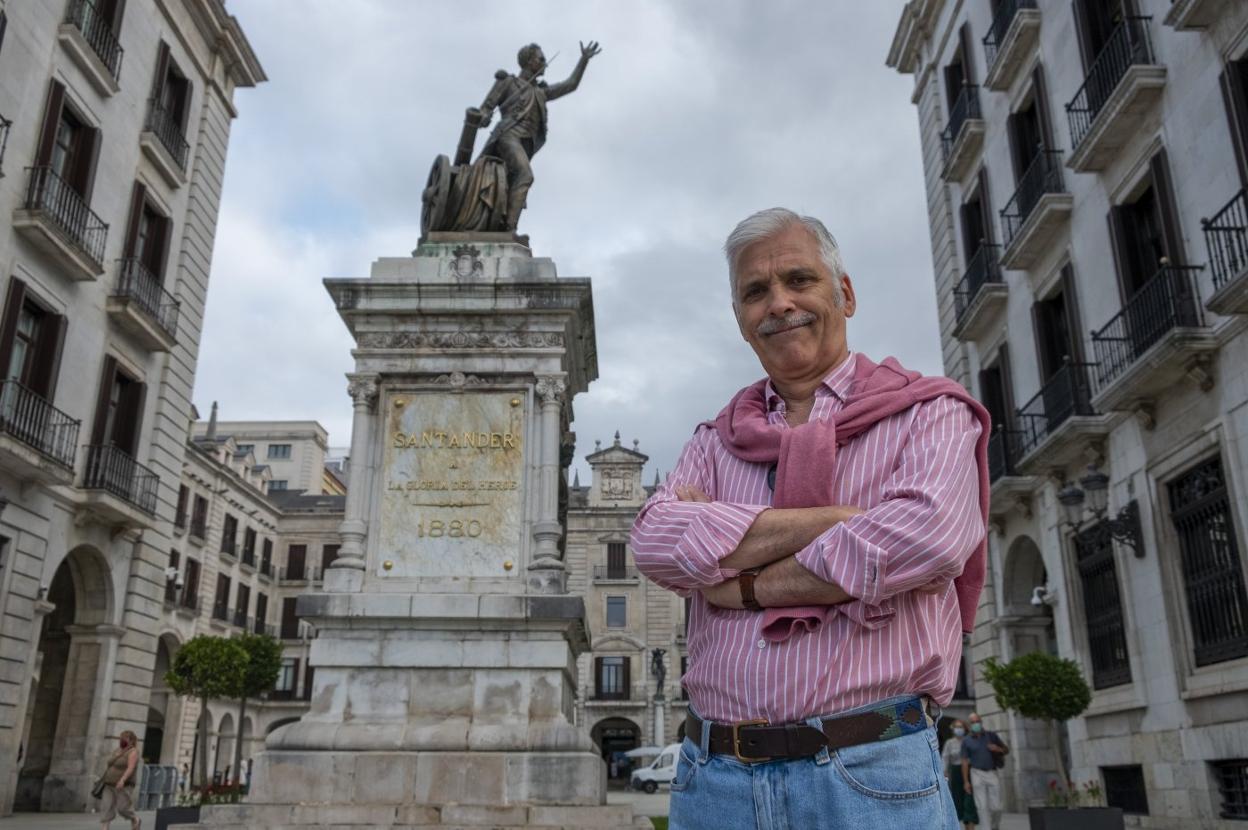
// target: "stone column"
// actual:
[[660, 723], [347, 571], [547, 573]]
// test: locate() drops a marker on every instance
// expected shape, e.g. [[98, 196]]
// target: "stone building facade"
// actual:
[[1085, 170], [293, 451], [112, 173]]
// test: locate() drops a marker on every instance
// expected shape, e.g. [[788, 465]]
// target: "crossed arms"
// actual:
[[918, 535]]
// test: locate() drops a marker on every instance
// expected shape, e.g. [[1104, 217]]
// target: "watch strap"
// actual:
[[745, 580]]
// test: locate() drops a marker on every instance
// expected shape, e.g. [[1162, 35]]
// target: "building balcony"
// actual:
[[5, 126], [241, 620], [266, 569], [1109, 109], [57, 220], [963, 137], [606, 573], [1226, 238], [1008, 489], [298, 575], [118, 488], [89, 38], [37, 440], [980, 295], [289, 630], [1192, 15], [1060, 421], [221, 611], [229, 548], [1158, 339], [1038, 210], [164, 145], [198, 530], [1010, 41], [141, 307]]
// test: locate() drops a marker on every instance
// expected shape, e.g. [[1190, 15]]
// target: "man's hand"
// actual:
[[726, 594], [589, 51], [966, 784], [995, 748], [691, 492]]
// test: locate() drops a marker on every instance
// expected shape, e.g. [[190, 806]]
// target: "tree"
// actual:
[[207, 668], [1043, 687], [263, 665]]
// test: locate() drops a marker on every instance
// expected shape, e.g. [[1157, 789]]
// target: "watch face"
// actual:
[[771, 478]]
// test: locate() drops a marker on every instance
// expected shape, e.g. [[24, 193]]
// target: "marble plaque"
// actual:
[[451, 482]]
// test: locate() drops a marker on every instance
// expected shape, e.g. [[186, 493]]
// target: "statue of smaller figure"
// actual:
[[658, 669], [490, 193]]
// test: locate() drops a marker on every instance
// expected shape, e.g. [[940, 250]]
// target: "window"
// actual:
[[168, 106], [277, 484], [1102, 608], [976, 215], [246, 448], [296, 561], [190, 585], [1124, 788], [72, 153], [266, 558], [997, 395], [31, 337], [262, 612], [242, 603], [147, 241], [287, 677], [1145, 230], [617, 612], [962, 689], [611, 681], [229, 535], [249, 546], [616, 559], [1095, 21], [1057, 328], [1232, 778], [221, 602], [171, 585], [308, 673], [1213, 578], [1029, 134], [119, 411], [199, 517], [290, 620], [179, 517], [279, 451], [684, 669], [328, 554], [1235, 95]]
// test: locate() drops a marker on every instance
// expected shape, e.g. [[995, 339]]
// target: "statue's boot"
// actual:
[[515, 204]]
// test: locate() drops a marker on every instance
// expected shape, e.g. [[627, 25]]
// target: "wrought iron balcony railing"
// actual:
[[304, 574], [112, 470], [220, 611], [290, 630], [190, 599], [241, 619], [165, 126], [607, 572], [1226, 237], [261, 627], [1167, 301], [139, 285], [1006, 12], [97, 30], [983, 268], [1003, 452], [29, 418], [199, 527], [1127, 46], [5, 126], [51, 196], [1043, 175], [966, 106], [1067, 393], [171, 592]]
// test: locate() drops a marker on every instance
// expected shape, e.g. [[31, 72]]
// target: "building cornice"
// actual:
[[221, 29]]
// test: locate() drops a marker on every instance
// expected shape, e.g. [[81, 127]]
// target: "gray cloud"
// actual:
[[696, 114]]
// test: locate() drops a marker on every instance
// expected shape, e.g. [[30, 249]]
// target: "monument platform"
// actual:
[[446, 643]]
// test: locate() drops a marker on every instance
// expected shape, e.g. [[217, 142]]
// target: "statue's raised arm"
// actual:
[[490, 194]]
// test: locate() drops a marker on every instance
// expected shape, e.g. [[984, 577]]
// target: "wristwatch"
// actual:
[[745, 579]]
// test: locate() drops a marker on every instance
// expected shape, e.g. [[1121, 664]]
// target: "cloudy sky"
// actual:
[[697, 113]]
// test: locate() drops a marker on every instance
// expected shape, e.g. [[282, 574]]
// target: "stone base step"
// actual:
[[415, 817]]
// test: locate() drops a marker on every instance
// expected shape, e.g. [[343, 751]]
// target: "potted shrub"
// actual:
[[1052, 690]]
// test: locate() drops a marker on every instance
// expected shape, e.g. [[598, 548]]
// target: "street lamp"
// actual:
[[1094, 494]]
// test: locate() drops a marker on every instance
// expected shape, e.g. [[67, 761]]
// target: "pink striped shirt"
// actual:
[[914, 474]]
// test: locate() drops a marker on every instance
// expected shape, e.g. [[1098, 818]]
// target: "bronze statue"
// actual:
[[489, 194]]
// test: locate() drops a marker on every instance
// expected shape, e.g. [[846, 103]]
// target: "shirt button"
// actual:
[[762, 644]]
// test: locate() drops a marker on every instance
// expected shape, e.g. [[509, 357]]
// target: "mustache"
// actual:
[[790, 321]]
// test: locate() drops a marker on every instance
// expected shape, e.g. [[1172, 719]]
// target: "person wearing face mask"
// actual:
[[117, 795], [982, 753], [951, 760]]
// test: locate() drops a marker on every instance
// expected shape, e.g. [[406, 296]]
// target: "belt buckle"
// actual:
[[736, 741]]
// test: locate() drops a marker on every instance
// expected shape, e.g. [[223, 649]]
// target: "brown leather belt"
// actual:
[[755, 741]]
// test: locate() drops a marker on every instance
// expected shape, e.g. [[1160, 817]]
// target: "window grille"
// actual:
[[1124, 788], [1102, 608], [1213, 578], [1232, 778]]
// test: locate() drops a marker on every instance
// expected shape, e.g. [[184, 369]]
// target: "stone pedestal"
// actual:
[[446, 646]]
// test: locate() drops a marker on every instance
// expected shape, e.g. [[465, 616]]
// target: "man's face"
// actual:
[[536, 61], [786, 306]]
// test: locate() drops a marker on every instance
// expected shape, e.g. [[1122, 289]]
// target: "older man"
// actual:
[[829, 528]]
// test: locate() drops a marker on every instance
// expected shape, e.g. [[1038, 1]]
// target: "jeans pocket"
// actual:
[[685, 769], [893, 769]]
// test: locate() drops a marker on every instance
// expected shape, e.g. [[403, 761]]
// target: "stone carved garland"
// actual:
[[460, 340], [458, 380]]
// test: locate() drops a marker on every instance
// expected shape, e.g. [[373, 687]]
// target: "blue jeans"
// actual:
[[895, 784]]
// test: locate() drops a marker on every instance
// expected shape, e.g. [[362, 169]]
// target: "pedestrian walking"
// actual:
[[117, 790], [982, 754], [951, 761]]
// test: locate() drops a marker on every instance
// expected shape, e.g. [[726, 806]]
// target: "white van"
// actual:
[[661, 771]]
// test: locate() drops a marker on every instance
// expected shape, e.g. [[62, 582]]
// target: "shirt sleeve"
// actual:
[[679, 544], [926, 526]]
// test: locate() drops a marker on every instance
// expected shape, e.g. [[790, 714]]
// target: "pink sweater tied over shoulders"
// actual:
[[805, 455]]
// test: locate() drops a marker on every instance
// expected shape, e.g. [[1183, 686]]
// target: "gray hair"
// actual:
[[767, 223]]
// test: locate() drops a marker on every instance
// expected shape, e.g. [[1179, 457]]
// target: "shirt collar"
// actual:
[[836, 382]]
